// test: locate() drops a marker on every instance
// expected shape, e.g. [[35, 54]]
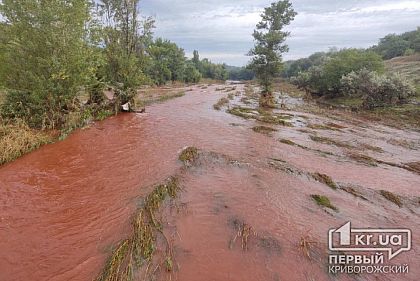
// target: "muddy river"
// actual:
[[65, 206]]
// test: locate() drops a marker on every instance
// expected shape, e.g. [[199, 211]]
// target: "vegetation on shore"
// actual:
[[67, 63], [17, 139]]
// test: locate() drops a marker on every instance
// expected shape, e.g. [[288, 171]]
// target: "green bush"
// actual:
[[192, 75], [326, 78], [377, 90], [37, 111]]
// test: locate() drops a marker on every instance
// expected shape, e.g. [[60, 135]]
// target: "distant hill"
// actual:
[[409, 66]]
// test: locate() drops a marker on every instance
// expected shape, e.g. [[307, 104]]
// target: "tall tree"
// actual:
[[125, 37], [269, 46]]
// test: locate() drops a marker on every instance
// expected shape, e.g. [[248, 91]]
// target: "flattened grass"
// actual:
[[323, 201], [17, 139], [140, 247]]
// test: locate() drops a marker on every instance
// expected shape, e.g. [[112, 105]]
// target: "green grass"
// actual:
[[323, 201]]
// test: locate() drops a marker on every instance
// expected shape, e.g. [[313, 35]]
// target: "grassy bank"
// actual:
[[17, 139]]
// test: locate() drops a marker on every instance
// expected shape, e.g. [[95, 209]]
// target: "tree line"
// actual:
[[357, 73], [391, 46], [53, 51]]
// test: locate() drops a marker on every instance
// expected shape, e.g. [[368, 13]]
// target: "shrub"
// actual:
[[35, 110], [377, 90], [326, 78]]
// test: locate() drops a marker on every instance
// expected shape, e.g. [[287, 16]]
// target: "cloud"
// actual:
[[221, 30]]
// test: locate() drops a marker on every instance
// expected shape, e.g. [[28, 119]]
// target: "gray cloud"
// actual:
[[221, 30]]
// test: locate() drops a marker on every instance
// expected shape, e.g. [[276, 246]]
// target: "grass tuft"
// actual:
[[324, 201], [188, 155], [323, 178], [392, 197]]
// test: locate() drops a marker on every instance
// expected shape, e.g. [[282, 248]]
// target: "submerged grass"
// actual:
[[222, 102], [392, 197], [288, 142], [17, 139], [139, 248], [323, 201], [261, 115], [324, 179], [329, 141], [188, 155], [145, 101], [363, 159], [263, 130], [243, 231], [413, 167]]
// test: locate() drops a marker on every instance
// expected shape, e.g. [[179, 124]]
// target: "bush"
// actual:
[[326, 78], [377, 90], [192, 75], [35, 110]]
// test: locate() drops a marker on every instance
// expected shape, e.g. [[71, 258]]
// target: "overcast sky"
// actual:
[[221, 30]]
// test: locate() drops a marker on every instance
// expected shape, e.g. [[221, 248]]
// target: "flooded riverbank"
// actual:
[[64, 207]]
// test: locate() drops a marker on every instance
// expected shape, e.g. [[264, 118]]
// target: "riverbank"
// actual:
[[17, 139]]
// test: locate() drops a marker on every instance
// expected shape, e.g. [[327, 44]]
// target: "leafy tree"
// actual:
[[124, 42], [392, 46], [46, 57], [240, 73], [209, 69], [269, 45], [192, 75], [168, 61], [326, 78]]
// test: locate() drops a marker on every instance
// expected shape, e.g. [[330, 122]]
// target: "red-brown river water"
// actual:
[[64, 206]]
